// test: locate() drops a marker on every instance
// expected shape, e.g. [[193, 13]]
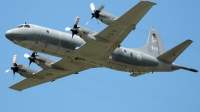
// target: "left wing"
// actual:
[[70, 67], [115, 33]]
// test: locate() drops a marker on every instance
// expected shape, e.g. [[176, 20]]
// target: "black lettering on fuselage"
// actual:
[[116, 66]]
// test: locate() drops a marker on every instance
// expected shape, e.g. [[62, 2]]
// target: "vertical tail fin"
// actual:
[[154, 46]]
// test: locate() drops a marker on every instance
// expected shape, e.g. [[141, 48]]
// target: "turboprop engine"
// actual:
[[44, 62], [101, 15], [21, 69], [85, 33]]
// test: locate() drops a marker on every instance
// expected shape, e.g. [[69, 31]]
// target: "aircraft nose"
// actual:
[[7, 34], [11, 34]]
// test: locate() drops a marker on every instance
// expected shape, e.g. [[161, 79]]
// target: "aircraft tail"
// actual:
[[171, 55], [154, 46], [177, 67]]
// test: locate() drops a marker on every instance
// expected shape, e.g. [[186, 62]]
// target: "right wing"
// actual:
[[70, 67], [114, 34]]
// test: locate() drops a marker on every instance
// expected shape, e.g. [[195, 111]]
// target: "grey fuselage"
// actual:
[[57, 43]]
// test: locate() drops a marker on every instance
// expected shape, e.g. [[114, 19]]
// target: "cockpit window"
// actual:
[[20, 26], [27, 26], [24, 26]]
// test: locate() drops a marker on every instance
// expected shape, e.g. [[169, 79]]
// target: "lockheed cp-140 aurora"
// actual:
[[85, 49]]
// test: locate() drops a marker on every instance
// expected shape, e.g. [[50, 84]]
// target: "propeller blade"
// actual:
[[13, 74], [75, 28], [26, 55], [101, 8], [7, 70], [29, 63], [76, 20], [31, 58], [14, 58], [15, 67], [97, 21], [33, 54], [71, 40], [88, 22], [67, 29], [92, 7]]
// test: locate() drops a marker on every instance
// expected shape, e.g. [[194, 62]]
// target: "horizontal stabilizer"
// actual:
[[171, 55], [176, 67], [190, 69]]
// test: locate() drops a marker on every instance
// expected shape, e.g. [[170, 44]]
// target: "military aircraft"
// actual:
[[85, 49]]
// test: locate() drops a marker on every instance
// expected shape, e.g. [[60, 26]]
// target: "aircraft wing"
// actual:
[[69, 67], [115, 33]]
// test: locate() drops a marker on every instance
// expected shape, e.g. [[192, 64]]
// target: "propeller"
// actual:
[[31, 58], [74, 30], [15, 67], [95, 13]]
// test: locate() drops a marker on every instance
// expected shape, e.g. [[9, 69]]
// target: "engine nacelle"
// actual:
[[45, 63], [107, 18], [89, 36], [86, 30], [27, 72]]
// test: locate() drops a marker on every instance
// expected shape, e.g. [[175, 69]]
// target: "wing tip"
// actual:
[[189, 40], [16, 89], [148, 1]]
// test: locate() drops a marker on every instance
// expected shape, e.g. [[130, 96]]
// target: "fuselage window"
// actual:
[[20, 26], [27, 26], [154, 35]]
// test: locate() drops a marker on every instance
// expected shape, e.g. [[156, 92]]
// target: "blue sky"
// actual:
[[102, 89]]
